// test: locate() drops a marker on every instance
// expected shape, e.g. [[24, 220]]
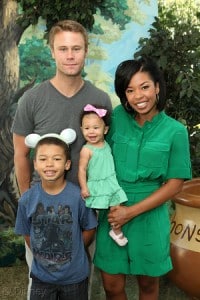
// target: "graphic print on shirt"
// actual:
[[52, 235]]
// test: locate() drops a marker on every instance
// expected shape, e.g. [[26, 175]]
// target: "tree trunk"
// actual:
[[9, 58], [9, 80]]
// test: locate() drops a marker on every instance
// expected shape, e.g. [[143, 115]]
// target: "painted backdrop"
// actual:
[[112, 41]]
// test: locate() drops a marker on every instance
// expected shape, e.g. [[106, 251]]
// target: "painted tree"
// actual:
[[15, 17]]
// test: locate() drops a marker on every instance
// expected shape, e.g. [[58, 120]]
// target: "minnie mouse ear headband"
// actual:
[[68, 136]]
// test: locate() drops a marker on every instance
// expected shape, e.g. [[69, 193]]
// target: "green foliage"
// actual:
[[54, 10], [12, 247], [114, 10], [174, 44], [81, 11], [35, 61]]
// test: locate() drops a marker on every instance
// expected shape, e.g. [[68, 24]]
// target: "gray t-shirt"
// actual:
[[43, 109]]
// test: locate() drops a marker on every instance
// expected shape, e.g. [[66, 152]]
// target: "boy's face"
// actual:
[[50, 162]]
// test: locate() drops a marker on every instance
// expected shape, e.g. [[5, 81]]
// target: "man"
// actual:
[[56, 104]]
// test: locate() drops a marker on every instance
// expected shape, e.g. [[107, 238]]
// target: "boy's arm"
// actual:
[[88, 236], [27, 239]]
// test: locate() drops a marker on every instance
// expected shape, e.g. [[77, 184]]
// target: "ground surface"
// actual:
[[13, 282]]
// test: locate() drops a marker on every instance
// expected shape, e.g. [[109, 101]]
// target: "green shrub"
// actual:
[[12, 248]]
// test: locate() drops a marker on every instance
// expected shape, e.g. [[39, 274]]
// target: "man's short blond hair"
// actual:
[[67, 25]]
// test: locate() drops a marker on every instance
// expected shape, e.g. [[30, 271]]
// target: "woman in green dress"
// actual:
[[152, 160]]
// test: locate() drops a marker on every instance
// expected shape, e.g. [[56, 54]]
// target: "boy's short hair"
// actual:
[[53, 141]]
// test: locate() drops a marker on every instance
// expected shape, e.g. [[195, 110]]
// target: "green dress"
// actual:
[[145, 158], [101, 179]]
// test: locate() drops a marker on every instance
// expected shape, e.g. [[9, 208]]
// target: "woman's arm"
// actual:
[[120, 215]]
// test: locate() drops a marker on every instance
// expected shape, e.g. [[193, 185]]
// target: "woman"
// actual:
[[151, 154]]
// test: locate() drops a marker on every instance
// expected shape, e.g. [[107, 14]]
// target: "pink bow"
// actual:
[[99, 111]]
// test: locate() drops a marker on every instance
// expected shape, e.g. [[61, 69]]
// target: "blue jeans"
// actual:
[[46, 291]]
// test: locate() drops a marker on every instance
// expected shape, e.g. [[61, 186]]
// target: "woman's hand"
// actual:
[[118, 216]]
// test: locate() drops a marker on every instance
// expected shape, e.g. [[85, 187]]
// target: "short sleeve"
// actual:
[[88, 219], [22, 225], [179, 161], [23, 122]]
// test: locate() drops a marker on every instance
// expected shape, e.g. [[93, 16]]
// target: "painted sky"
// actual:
[[125, 47]]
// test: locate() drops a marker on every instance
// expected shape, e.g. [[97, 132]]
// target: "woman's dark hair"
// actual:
[[127, 69], [53, 141], [106, 118]]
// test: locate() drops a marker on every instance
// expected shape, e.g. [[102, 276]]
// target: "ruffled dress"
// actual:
[[101, 179]]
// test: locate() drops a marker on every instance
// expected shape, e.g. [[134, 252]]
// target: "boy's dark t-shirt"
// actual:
[[55, 224]]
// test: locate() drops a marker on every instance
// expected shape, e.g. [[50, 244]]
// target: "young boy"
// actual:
[[56, 225]]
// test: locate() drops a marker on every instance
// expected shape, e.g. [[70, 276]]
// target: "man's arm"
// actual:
[[22, 163]]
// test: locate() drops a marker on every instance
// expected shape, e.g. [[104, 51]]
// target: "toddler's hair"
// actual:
[[53, 141]]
